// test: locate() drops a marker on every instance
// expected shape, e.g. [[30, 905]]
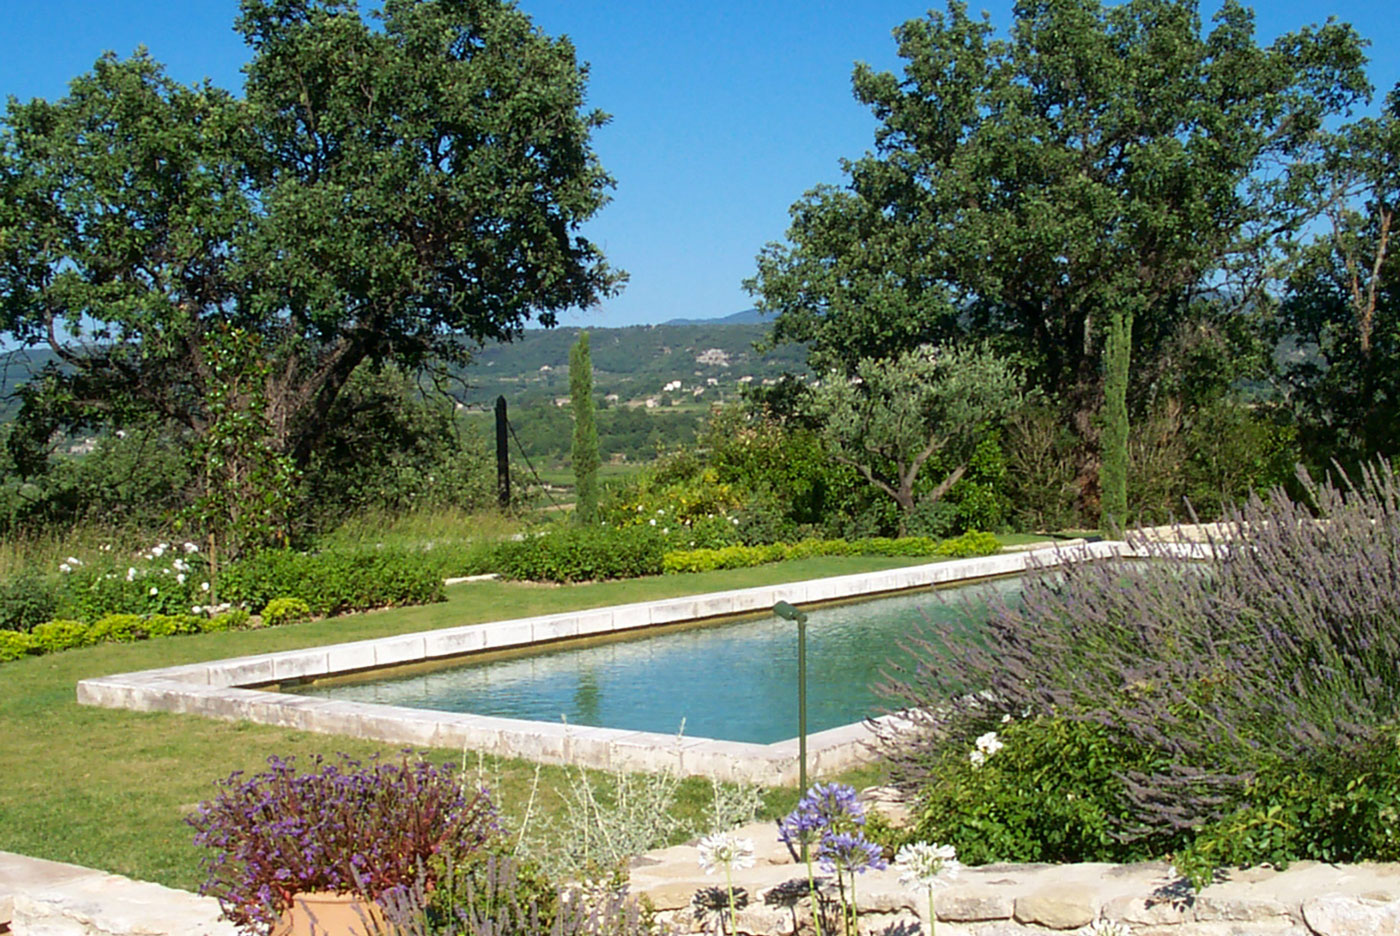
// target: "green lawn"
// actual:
[[108, 788]]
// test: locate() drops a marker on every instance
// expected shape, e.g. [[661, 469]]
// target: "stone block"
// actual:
[[959, 905], [1336, 915], [673, 611], [589, 747], [595, 622], [346, 657], [242, 671], [1239, 907], [454, 641], [554, 628], [299, 664], [1063, 906], [407, 649], [1147, 911], [630, 617], [509, 634]]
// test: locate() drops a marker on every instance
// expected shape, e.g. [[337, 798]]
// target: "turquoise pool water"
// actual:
[[736, 681]]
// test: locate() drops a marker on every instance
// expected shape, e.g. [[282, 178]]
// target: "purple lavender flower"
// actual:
[[849, 853]]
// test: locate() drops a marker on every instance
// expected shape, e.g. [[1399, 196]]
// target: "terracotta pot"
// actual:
[[327, 914]]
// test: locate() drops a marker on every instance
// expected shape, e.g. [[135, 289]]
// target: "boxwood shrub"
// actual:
[[578, 554], [332, 582], [740, 557]]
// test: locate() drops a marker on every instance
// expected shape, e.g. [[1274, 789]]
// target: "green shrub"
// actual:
[[119, 628], [15, 644], [54, 636], [742, 557], [332, 582], [236, 619], [971, 543], [168, 625], [1335, 809], [579, 554], [26, 601], [281, 611], [1053, 792]]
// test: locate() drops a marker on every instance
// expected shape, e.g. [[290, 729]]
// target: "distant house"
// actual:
[[611, 398], [562, 401], [713, 357], [652, 402], [671, 387]]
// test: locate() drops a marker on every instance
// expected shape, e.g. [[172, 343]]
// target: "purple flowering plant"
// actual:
[[827, 813], [343, 826]]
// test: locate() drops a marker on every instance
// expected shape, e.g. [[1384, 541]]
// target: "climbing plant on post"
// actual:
[[245, 500], [585, 451]]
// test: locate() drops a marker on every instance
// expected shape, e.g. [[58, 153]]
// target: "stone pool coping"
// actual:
[[227, 688]]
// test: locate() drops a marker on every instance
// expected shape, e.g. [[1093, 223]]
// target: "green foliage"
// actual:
[[585, 449], [393, 449], [895, 415], [1334, 810], [1061, 190], [580, 554], [119, 628], [162, 580], [15, 644], [54, 636], [236, 619], [26, 600], [332, 582], [1053, 793], [281, 611], [169, 625], [743, 557], [245, 500], [398, 187]]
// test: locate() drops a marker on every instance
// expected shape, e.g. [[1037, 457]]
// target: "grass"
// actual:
[[109, 789]]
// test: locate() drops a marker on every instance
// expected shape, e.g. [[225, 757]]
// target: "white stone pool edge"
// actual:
[[227, 688]]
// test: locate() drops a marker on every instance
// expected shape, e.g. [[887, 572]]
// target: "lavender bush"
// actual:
[[345, 827], [1279, 648]]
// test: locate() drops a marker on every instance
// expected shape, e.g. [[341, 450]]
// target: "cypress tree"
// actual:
[[585, 452]]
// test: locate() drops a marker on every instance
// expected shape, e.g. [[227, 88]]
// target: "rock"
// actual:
[[1239, 908], [963, 906], [1147, 911], [1335, 915], [1067, 906]]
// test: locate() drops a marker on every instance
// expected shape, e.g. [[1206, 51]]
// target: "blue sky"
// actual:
[[724, 112]]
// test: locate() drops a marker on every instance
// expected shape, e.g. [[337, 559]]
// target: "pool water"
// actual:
[[736, 681]]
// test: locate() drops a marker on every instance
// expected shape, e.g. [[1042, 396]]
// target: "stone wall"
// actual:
[[1308, 899]]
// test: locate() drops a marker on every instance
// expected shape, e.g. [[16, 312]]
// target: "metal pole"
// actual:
[[789, 613], [502, 455]]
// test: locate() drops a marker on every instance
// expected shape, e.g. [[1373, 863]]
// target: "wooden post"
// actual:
[[502, 455]]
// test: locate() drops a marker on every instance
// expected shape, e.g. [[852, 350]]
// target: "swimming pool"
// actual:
[[736, 680]]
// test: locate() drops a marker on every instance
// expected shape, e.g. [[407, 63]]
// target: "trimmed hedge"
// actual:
[[580, 554], [332, 582], [742, 557], [60, 635]]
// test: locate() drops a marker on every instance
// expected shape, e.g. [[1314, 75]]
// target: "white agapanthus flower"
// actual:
[[131, 573], [203, 586], [180, 578], [73, 561], [927, 864], [154, 591], [191, 548], [724, 852], [65, 568]]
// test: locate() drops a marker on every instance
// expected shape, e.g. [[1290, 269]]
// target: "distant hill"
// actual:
[[746, 317], [637, 363]]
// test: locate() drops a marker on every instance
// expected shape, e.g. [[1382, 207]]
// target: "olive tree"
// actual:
[[892, 415]]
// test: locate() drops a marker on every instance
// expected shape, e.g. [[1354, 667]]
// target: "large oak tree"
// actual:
[[399, 190], [1064, 189]]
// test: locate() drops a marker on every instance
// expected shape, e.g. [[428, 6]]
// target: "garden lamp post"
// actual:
[[789, 613]]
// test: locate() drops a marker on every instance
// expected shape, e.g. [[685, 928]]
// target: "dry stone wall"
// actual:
[[1308, 899]]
